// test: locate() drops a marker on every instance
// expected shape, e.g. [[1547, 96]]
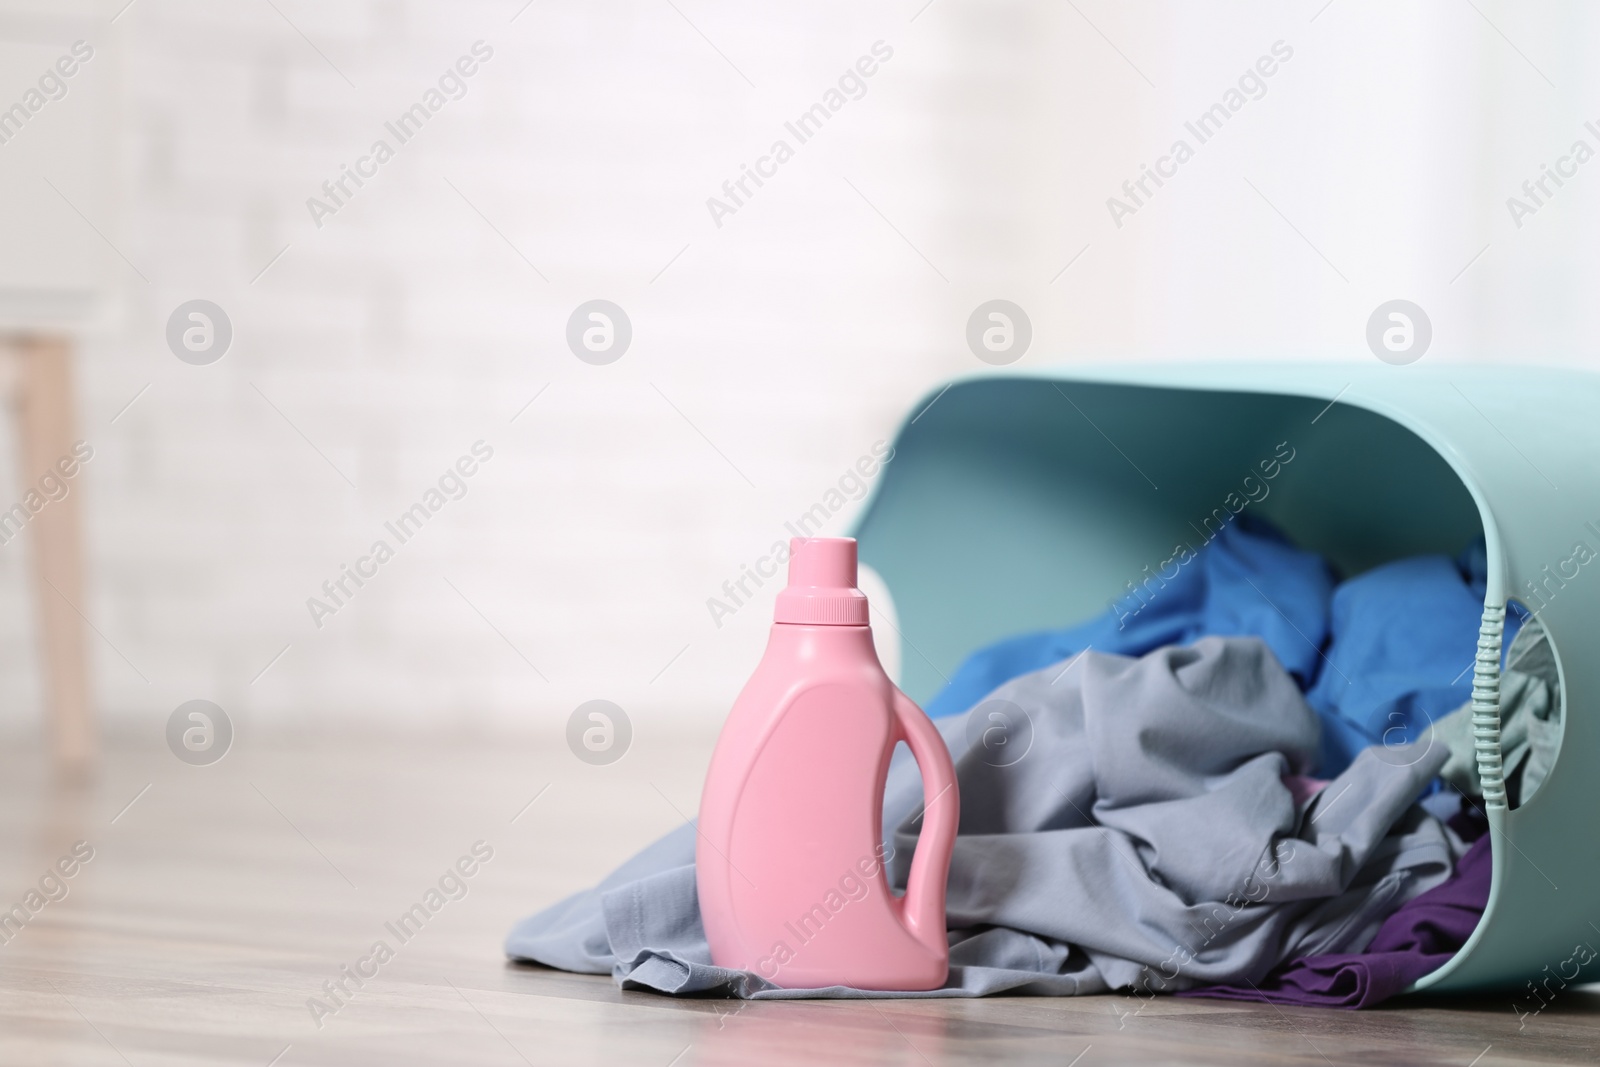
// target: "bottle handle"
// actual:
[[922, 907]]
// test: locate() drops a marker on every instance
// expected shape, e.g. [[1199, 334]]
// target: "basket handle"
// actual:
[[1486, 706]]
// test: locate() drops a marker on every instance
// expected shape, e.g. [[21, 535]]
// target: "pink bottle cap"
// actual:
[[822, 584]]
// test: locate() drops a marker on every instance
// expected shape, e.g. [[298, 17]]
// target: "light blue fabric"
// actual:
[[1380, 656], [1399, 654]]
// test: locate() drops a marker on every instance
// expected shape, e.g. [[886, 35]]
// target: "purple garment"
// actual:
[[1416, 940]]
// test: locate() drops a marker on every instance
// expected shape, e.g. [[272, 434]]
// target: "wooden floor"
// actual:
[[223, 897]]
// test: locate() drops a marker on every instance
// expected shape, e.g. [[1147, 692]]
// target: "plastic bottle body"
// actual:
[[790, 858]]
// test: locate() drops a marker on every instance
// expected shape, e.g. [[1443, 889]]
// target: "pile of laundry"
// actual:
[[1259, 784]]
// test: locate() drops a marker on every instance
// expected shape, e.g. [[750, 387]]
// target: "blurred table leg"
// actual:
[[46, 400]]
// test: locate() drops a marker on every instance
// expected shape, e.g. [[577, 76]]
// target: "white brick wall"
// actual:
[[405, 329], [792, 337]]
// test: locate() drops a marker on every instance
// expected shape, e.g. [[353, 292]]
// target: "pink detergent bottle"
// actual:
[[790, 856]]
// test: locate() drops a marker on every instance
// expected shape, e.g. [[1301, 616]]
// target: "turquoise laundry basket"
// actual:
[[1021, 500]]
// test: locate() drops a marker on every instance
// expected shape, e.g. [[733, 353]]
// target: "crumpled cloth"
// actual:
[[1125, 824], [1379, 656], [1416, 940]]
